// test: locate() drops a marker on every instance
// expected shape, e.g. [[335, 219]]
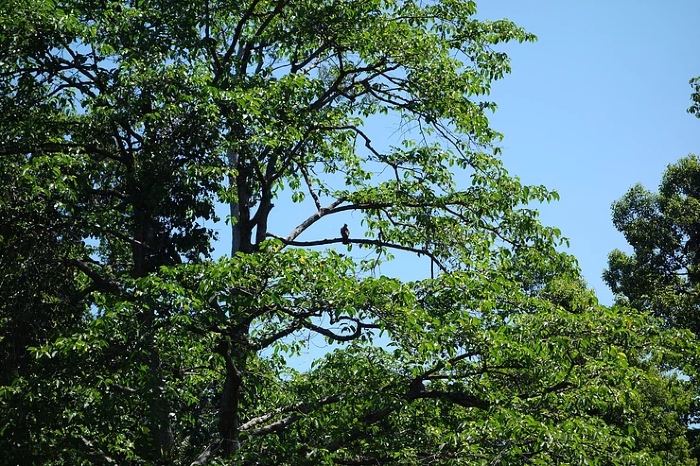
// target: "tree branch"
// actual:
[[371, 242], [97, 453], [207, 454], [334, 336], [297, 410], [310, 187], [103, 283], [311, 220], [237, 36], [262, 344]]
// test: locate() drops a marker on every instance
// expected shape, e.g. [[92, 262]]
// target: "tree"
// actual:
[[662, 275], [130, 122]]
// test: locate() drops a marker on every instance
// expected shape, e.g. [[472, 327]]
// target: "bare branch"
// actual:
[[127, 238], [262, 344], [371, 242], [309, 185], [313, 219], [295, 67], [336, 337], [362, 134], [297, 410], [335, 208], [207, 454], [237, 35], [103, 283]]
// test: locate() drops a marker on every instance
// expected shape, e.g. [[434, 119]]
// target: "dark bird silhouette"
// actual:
[[345, 233]]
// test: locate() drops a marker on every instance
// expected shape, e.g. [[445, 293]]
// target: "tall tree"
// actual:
[[662, 275], [127, 123]]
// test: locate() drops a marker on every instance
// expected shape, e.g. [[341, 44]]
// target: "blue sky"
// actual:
[[596, 105]]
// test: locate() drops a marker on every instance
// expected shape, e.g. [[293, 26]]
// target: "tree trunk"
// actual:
[[163, 438], [229, 418]]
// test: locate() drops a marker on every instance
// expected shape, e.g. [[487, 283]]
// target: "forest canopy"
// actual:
[[126, 125]]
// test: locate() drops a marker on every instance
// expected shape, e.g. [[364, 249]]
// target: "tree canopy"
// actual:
[[124, 126], [662, 274]]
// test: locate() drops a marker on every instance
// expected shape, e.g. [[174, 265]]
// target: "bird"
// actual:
[[345, 234]]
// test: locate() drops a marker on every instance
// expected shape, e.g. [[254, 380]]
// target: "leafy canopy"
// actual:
[[662, 274], [126, 125]]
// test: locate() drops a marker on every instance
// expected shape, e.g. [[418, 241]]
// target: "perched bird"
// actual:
[[345, 233]]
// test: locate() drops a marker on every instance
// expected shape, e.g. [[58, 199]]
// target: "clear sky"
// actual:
[[596, 105]]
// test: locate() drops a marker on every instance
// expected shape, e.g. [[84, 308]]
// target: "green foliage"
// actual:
[[37, 292], [695, 97], [124, 125], [662, 274]]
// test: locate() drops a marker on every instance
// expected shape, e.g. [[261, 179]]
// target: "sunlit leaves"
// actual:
[[660, 275], [124, 124]]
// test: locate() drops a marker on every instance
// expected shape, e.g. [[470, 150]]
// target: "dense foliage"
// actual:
[[662, 274], [125, 125]]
